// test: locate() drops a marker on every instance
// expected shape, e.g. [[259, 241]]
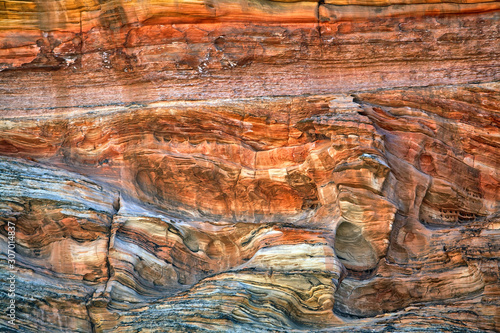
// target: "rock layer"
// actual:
[[252, 166]]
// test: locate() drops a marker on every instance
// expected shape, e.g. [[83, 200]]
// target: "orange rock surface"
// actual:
[[262, 166]]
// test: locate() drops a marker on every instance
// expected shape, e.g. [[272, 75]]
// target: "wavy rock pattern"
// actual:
[[283, 166]]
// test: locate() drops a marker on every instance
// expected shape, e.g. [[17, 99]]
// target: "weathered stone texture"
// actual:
[[251, 166]]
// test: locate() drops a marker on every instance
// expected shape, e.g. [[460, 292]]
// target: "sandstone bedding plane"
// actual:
[[250, 166]]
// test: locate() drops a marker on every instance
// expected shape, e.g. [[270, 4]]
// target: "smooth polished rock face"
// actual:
[[255, 166]]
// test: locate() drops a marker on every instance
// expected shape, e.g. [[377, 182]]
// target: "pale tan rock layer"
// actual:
[[375, 210]]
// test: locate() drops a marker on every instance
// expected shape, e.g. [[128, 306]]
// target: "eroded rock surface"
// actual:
[[251, 166]]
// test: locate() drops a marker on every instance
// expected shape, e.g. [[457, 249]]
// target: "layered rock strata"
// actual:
[[252, 166], [116, 52]]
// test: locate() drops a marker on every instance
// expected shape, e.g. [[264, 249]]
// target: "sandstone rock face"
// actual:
[[262, 166]]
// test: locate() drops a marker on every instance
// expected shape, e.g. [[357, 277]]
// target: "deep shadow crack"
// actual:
[[318, 26]]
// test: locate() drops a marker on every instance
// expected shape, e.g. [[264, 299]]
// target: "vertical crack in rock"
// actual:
[[88, 305], [100, 297], [318, 17], [112, 233]]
